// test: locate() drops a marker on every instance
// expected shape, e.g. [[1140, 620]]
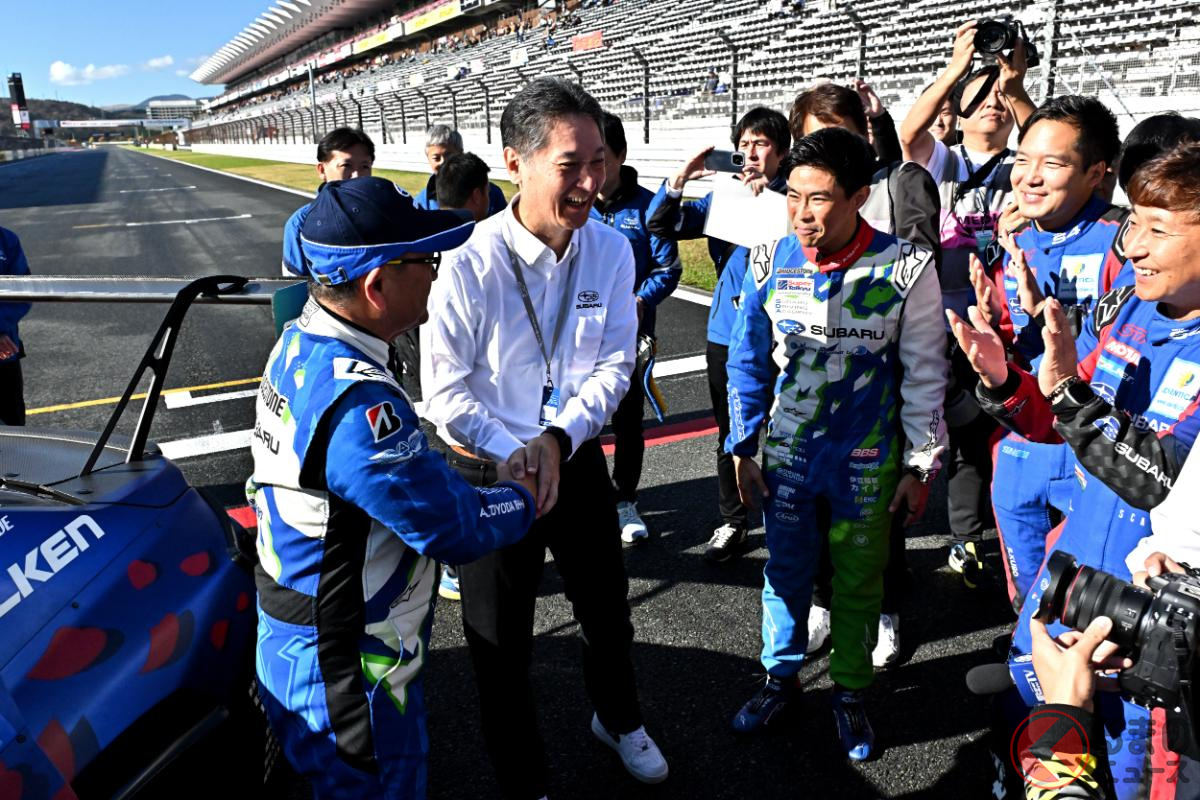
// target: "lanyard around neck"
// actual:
[[564, 307]]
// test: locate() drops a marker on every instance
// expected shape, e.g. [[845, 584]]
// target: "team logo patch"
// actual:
[[384, 421], [1177, 391], [1129, 355], [588, 296], [354, 370], [789, 326]]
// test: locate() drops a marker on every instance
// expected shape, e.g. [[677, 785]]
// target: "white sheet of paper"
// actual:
[[737, 216]]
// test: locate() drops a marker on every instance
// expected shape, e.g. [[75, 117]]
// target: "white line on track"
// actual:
[[679, 366], [186, 400], [205, 445], [692, 296], [162, 222], [164, 189], [255, 181], [238, 440]]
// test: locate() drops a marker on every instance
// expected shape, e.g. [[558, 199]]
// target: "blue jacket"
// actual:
[[657, 268], [427, 197], [673, 219], [12, 262]]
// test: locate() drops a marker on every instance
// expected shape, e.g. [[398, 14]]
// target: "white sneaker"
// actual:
[[637, 750], [818, 628], [887, 649], [632, 527]]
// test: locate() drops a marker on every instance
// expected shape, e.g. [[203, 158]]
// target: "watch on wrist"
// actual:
[[1073, 392]]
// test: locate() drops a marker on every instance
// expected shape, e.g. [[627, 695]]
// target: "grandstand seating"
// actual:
[[1143, 48]]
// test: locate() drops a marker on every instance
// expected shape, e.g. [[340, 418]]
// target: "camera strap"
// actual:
[[976, 178]]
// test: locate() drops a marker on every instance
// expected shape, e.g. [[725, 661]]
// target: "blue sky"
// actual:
[[120, 51]]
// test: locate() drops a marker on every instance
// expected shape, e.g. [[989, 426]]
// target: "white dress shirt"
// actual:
[[482, 372]]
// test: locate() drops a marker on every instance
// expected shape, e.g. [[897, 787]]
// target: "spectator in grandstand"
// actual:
[[903, 201], [837, 341], [1068, 248], [1128, 408], [762, 135], [12, 385], [441, 142], [354, 508], [624, 205], [974, 186], [505, 387], [342, 154]]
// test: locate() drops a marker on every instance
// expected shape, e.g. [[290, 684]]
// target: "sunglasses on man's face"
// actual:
[[433, 261]]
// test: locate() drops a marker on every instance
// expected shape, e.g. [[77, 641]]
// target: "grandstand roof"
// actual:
[[280, 29]]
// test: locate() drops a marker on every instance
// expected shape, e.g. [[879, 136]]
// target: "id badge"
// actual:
[[549, 406], [982, 240]]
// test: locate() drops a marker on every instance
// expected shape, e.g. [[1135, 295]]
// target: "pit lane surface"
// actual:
[[112, 211]]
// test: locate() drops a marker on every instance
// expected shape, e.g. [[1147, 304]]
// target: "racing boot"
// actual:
[[766, 705], [853, 727]]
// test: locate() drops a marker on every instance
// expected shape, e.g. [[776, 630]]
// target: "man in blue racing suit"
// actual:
[[354, 510], [1126, 398], [850, 317], [1068, 248]]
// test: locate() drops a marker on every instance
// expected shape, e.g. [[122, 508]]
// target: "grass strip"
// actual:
[[697, 267]]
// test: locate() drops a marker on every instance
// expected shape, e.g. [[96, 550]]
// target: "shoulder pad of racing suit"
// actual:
[[760, 261], [1122, 215], [911, 261], [1108, 306]]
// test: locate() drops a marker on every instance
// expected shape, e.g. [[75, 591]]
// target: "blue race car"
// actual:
[[127, 612]]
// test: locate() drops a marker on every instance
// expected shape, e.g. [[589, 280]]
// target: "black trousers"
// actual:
[[12, 393], [732, 510], [498, 598], [969, 477], [630, 449]]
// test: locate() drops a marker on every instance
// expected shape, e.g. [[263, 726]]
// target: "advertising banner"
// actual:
[[433, 17], [518, 57], [371, 42], [587, 41]]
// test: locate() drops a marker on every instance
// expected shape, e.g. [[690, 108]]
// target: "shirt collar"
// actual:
[[317, 320], [528, 247], [1082, 222]]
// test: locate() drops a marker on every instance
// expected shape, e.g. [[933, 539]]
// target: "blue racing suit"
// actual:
[[1075, 265], [12, 262], [1127, 445], [427, 197], [857, 337], [354, 512], [657, 268]]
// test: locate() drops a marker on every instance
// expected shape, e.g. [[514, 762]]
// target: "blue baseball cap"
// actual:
[[357, 225]]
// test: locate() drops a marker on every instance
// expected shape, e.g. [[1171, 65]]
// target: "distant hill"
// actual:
[[46, 109], [147, 101]]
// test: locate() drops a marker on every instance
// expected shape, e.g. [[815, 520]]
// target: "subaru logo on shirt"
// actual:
[[789, 327], [588, 299]]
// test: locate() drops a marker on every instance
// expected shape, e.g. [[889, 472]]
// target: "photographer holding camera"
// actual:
[[1129, 408], [974, 187]]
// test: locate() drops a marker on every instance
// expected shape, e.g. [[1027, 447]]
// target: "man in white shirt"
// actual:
[[531, 345], [974, 188]]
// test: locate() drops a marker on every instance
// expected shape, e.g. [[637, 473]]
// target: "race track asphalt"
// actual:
[[697, 624]]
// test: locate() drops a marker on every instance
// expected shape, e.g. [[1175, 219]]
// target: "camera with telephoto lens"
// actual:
[[1158, 627], [995, 36]]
